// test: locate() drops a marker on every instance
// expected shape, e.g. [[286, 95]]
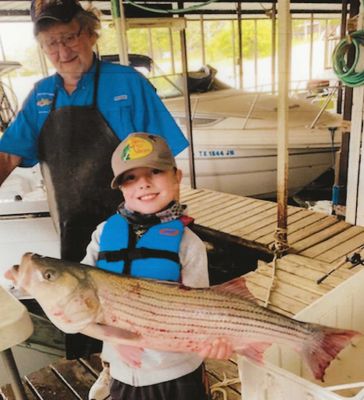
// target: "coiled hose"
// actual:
[[348, 74]]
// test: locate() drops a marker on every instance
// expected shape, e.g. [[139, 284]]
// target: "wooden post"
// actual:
[[274, 26], [240, 47], [186, 93], [311, 48], [203, 47], [344, 8], [355, 176], [255, 55], [171, 49], [284, 47], [118, 16], [233, 39]]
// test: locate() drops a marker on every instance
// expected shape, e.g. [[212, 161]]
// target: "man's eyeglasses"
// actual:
[[67, 40]]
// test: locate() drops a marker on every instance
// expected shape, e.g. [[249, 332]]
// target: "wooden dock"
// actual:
[[252, 223], [318, 243], [71, 380]]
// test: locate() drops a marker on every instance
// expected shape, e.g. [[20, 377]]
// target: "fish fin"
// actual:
[[254, 351], [237, 287], [327, 344], [111, 334], [132, 355]]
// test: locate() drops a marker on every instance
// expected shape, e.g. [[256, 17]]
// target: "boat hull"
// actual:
[[253, 172]]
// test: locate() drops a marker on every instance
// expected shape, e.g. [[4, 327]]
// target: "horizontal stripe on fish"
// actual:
[[189, 310]]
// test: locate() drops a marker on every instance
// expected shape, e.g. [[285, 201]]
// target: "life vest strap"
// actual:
[[129, 255]]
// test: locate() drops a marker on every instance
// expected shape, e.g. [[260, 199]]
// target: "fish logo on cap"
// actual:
[[136, 148]]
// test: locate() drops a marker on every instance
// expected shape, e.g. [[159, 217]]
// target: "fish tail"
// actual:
[[327, 344]]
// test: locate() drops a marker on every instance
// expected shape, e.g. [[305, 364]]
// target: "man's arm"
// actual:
[[8, 162]]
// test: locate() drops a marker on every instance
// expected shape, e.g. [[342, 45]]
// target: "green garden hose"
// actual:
[[172, 11], [348, 74]]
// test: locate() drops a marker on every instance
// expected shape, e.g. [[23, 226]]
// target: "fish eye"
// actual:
[[50, 274]]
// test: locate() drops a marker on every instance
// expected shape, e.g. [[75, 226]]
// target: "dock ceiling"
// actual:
[[18, 10]]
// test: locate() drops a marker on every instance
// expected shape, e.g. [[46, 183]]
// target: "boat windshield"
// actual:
[[201, 81]]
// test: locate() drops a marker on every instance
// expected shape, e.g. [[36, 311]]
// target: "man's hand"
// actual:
[[8, 162], [219, 349]]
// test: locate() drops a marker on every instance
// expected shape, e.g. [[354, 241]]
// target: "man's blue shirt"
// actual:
[[126, 100]]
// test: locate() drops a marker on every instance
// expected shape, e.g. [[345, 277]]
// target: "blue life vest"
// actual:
[[154, 255]]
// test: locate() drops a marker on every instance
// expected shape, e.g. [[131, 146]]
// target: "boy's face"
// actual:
[[149, 190]]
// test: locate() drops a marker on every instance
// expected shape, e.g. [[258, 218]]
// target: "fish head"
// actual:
[[64, 290]]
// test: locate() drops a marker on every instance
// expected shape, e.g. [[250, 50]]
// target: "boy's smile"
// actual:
[[148, 190]]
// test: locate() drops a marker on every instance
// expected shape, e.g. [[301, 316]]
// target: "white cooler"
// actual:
[[285, 377]]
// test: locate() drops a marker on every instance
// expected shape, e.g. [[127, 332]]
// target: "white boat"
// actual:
[[235, 140]]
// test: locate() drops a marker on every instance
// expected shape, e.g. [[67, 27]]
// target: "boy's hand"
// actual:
[[219, 349]]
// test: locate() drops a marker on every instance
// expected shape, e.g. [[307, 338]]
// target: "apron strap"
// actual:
[[96, 83]]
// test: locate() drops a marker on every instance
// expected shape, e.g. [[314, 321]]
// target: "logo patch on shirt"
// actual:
[[169, 232], [121, 97], [44, 102]]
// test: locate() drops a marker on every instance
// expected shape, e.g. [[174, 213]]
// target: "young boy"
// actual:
[[148, 237]]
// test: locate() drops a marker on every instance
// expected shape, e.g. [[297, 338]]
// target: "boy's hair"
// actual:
[[141, 150]]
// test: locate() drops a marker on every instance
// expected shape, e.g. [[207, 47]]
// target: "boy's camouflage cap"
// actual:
[[140, 150]]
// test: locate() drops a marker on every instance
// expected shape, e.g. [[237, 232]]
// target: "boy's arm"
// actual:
[[92, 251], [193, 258], [194, 262]]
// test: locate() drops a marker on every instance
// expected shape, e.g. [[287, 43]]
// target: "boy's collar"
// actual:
[[173, 211]]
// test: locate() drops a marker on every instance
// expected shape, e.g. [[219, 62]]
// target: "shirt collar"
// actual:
[[87, 78]]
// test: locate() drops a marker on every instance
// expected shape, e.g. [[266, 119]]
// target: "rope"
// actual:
[[279, 247], [273, 280], [173, 11], [280, 244], [348, 74]]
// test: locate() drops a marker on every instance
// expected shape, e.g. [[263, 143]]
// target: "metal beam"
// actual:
[[25, 13]]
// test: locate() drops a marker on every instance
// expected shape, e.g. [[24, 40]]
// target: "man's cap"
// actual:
[[57, 10], [141, 150]]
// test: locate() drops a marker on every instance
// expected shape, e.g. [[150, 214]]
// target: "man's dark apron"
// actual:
[[75, 148]]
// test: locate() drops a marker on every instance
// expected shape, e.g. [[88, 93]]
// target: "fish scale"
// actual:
[[169, 317]]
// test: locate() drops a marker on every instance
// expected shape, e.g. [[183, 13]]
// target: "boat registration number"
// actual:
[[216, 153]]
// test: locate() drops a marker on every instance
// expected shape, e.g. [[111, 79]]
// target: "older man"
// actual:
[[73, 120]]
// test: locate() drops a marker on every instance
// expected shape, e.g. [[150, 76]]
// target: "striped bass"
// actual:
[[168, 317]]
